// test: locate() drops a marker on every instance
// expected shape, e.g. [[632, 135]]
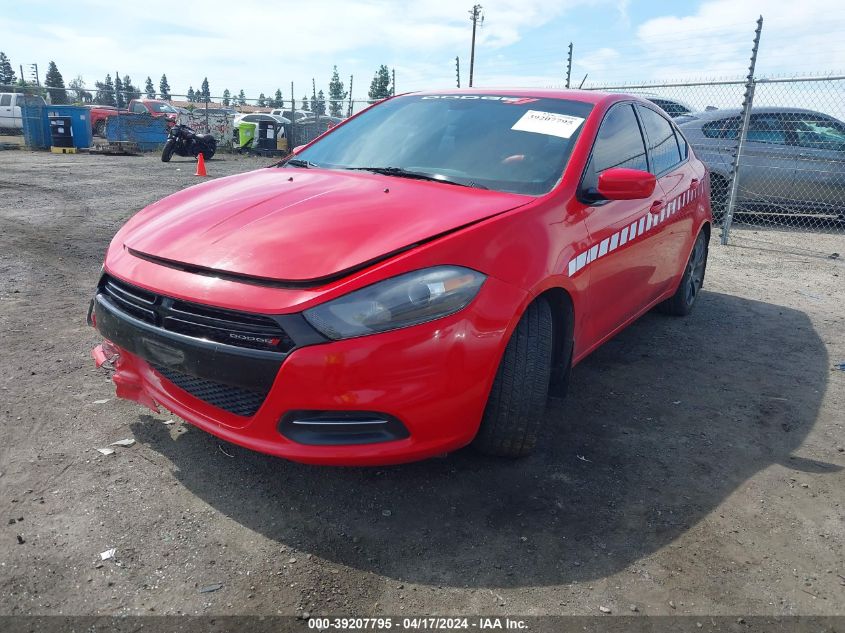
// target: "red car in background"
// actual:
[[417, 279], [154, 107]]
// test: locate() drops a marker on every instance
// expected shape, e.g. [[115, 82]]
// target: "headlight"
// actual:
[[408, 299]]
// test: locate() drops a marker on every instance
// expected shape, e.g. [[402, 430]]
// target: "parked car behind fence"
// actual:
[[793, 160]]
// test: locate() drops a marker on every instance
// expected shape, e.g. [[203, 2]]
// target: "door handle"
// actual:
[[656, 206]]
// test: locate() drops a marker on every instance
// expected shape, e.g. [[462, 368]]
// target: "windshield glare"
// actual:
[[512, 144]]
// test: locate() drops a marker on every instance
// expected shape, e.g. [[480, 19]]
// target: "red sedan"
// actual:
[[417, 279]]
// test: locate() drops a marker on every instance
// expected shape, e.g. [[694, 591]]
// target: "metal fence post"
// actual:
[[747, 103]]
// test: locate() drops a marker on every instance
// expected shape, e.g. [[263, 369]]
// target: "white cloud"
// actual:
[[259, 46], [715, 41]]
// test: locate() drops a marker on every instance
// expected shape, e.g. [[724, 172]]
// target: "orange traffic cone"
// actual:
[[200, 165]]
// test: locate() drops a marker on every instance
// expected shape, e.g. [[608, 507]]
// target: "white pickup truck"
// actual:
[[10, 108]]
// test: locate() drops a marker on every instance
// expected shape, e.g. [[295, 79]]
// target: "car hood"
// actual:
[[303, 224]]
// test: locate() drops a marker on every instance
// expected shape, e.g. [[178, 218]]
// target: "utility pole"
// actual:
[[475, 15], [349, 110], [569, 65], [35, 74], [394, 82], [458, 70]]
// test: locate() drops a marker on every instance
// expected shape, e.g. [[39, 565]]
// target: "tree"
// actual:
[[226, 97], [321, 103], [164, 88], [380, 86], [130, 91], [241, 97], [150, 89], [278, 101], [262, 101], [119, 96], [81, 95], [305, 103], [205, 91], [55, 84], [336, 94], [7, 73], [105, 92], [191, 95]]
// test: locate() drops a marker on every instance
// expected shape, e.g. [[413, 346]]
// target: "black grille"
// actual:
[[241, 329], [232, 399]]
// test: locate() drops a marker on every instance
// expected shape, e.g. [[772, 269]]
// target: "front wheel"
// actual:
[[167, 152], [517, 402], [682, 302]]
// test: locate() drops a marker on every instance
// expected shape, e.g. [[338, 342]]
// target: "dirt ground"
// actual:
[[695, 467]]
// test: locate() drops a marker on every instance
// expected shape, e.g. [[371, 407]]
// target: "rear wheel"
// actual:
[[682, 302], [517, 402], [100, 128], [167, 152], [719, 189], [210, 146]]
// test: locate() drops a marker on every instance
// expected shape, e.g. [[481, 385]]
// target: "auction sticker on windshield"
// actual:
[[548, 123]]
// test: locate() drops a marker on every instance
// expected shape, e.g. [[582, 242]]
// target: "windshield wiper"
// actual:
[[401, 172], [298, 162]]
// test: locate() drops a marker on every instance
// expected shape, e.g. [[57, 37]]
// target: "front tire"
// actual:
[[682, 302], [517, 402], [167, 152]]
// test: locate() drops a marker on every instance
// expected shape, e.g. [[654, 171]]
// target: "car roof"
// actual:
[[723, 113]]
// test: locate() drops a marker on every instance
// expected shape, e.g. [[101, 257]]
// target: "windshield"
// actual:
[[162, 107], [512, 144]]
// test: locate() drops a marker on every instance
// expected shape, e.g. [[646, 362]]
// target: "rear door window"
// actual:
[[662, 144], [6, 100], [767, 128], [722, 128], [619, 143]]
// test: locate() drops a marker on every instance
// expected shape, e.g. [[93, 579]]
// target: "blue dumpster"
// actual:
[[80, 122]]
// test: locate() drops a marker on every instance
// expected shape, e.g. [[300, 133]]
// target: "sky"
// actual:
[[259, 46]]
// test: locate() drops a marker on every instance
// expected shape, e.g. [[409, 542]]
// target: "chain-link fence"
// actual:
[[790, 170]]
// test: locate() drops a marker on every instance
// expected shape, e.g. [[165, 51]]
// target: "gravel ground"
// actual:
[[695, 467]]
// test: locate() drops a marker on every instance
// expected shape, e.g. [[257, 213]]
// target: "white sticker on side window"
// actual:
[[548, 123]]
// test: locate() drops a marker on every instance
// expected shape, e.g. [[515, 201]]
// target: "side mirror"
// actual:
[[621, 183]]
